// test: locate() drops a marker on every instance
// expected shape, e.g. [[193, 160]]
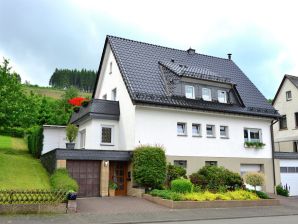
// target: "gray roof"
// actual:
[[293, 79], [139, 65], [97, 108], [285, 155]]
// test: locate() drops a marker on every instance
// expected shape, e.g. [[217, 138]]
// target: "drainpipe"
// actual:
[[273, 150]]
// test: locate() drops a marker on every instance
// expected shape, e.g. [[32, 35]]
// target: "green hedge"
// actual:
[[35, 140], [280, 190], [181, 186], [13, 132], [60, 180]]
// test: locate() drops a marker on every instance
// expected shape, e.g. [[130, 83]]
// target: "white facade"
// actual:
[[54, 137]]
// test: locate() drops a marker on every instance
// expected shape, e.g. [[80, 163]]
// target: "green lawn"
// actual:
[[18, 169]]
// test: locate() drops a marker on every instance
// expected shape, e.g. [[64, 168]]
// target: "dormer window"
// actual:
[[206, 94], [190, 92], [222, 96]]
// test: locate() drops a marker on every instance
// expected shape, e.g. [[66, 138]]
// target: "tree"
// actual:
[[254, 179]]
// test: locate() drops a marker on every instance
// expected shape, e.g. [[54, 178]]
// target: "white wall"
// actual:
[[107, 82], [54, 137], [159, 126]]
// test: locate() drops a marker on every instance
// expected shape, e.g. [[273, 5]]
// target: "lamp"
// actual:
[[105, 163]]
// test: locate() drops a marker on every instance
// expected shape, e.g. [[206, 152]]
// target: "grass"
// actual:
[[18, 169], [50, 92]]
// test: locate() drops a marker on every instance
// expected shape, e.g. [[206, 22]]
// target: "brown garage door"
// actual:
[[86, 173]]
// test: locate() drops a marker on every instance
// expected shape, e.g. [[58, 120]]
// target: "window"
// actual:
[[82, 138], [104, 97], [289, 95], [181, 163], [296, 119], [222, 96], [111, 67], [190, 92], [289, 169], [206, 94], [114, 94], [210, 163], [106, 135], [252, 135], [283, 122], [196, 130], [224, 132], [181, 128], [295, 148], [210, 130]]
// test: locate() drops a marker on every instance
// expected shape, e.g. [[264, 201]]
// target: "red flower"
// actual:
[[77, 101]]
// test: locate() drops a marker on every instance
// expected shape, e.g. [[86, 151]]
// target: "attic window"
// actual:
[[222, 96], [206, 94], [289, 95], [111, 67], [189, 92]]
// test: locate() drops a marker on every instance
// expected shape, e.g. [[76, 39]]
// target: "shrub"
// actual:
[[175, 172], [198, 179], [12, 131], [181, 186], [280, 190], [60, 180], [71, 132], [149, 166], [166, 194], [242, 195], [262, 195], [35, 140], [254, 179]]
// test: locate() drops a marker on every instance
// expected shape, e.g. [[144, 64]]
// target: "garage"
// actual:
[[246, 168], [87, 174], [289, 175]]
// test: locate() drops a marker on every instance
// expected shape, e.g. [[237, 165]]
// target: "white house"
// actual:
[[286, 133], [202, 109]]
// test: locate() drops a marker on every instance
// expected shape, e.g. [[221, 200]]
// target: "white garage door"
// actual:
[[289, 175], [246, 168]]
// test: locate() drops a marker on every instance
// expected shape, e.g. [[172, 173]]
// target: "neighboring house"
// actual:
[[202, 109], [286, 132]]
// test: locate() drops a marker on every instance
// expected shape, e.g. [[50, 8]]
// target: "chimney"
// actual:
[[191, 51], [229, 56]]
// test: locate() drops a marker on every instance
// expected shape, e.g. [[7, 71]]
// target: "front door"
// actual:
[[118, 175]]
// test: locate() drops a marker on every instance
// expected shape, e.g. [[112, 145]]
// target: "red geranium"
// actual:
[[77, 101]]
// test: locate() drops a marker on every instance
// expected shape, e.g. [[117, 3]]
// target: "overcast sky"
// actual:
[[41, 35]]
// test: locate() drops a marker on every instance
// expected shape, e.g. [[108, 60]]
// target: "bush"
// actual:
[[175, 172], [254, 179], [280, 190], [71, 132], [181, 186], [149, 166], [13, 132], [262, 195], [215, 178], [167, 194], [60, 180], [35, 140]]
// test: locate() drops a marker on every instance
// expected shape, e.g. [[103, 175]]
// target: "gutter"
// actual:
[[273, 150]]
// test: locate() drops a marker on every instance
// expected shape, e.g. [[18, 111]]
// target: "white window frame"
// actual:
[[104, 97], [206, 97], [111, 68], [114, 94], [199, 134], [213, 131], [226, 131], [225, 98], [289, 95], [184, 131], [112, 135], [192, 94], [248, 134], [83, 139]]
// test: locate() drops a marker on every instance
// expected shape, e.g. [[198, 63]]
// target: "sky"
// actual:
[[38, 36]]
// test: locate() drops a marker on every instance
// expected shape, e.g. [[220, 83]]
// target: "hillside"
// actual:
[[50, 92], [18, 169]]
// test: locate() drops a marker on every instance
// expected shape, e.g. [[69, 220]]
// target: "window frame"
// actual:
[[199, 134], [213, 131], [211, 163], [225, 96], [280, 122], [82, 139], [114, 94], [185, 129], [296, 119], [111, 67], [193, 91], [180, 165], [209, 94], [112, 135], [226, 131], [289, 95], [248, 134]]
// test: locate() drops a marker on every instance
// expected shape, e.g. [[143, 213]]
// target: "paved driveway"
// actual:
[[117, 205]]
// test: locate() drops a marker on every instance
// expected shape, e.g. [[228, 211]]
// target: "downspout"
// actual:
[[273, 150]]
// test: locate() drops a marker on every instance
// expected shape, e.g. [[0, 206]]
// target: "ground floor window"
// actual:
[[181, 163]]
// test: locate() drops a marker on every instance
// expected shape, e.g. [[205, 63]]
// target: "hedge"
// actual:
[[35, 140], [181, 186], [13, 132], [61, 180]]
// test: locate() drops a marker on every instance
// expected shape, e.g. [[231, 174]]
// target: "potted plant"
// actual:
[[72, 195], [112, 188], [71, 135], [76, 109], [85, 102]]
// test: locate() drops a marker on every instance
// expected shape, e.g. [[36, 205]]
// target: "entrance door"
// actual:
[[118, 175]]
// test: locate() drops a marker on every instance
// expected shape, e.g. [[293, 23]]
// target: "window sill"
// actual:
[[224, 137], [182, 135], [283, 129], [196, 136], [211, 136], [106, 144]]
